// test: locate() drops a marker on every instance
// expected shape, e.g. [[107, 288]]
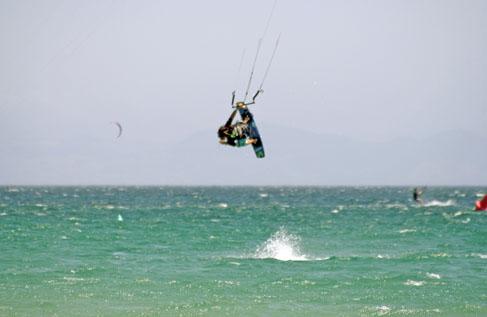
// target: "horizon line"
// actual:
[[242, 185]]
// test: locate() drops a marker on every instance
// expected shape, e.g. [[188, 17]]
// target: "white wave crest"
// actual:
[[437, 203], [407, 230], [414, 283], [433, 275], [383, 310], [281, 246]]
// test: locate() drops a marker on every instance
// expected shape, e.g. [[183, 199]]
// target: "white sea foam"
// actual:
[[407, 230], [417, 312], [143, 280], [433, 275], [459, 194], [282, 246], [73, 279], [441, 255], [223, 205], [227, 282], [438, 203], [120, 218], [263, 195], [396, 206], [482, 256], [337, 210], [383, 310], [414, 283]]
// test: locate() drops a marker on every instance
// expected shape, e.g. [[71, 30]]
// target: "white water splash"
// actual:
[[281, 246], [437, 203], [120, 218]]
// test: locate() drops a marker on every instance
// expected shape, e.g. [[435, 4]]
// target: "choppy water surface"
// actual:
[[249, 251]]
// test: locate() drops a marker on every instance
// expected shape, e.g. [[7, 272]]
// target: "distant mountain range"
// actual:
[[305, 158], [294, 157]]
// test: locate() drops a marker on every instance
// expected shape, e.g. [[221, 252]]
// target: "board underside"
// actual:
[[253, 133]]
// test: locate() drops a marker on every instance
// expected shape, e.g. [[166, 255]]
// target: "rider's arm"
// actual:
[[255, 96], [229, 121]]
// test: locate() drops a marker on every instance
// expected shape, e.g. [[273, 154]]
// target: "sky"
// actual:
[[371, 71]]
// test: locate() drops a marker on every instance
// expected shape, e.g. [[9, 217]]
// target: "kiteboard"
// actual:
[[253, 132]]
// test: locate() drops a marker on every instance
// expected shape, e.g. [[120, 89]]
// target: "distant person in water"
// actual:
[[417, 195]]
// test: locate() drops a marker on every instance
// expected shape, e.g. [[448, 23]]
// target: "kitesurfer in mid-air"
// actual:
[[245, 132], [236, 134]]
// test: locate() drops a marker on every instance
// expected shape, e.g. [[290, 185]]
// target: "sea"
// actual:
[[242, 251]]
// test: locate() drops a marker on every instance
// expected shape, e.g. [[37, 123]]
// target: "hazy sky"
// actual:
[[368, 70]]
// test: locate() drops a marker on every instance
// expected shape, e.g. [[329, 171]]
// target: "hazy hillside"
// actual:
[[294, 157], [299, 157]]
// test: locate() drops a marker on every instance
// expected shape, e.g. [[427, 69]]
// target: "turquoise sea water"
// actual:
[[241, 251]]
